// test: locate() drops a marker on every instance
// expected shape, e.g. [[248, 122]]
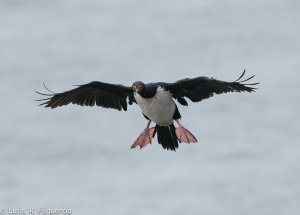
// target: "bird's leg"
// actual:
[[183, 135], [145, 137]]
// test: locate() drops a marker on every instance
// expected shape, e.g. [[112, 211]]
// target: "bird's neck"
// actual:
[[148, 91]]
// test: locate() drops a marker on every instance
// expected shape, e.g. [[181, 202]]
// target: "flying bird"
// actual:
[[156, 100]]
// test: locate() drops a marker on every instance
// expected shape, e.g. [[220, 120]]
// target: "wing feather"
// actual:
[[200, 88], [94, 93]]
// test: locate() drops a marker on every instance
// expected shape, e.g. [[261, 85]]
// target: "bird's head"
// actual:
[[138, 87]]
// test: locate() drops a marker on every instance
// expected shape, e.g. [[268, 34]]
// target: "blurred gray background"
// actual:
[[247, 157]]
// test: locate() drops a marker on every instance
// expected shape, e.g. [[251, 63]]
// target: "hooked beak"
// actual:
[[135, 89]]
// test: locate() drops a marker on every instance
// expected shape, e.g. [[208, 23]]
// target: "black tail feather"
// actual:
[[166, 136]]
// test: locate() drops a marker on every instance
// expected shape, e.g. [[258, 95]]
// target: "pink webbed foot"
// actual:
[[144, 138], [185, 135]]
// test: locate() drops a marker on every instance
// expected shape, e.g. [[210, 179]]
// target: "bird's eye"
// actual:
[[140, 87]]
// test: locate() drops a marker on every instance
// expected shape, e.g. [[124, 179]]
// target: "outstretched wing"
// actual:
[[94, 93], [200, 88]]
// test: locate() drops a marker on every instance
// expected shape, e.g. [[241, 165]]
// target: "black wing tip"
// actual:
[[43, 94], [246, 85], [47, 88], [49, 95], [241, 76]]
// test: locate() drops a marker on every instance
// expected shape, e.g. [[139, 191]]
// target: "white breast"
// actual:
[[160, 109]]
